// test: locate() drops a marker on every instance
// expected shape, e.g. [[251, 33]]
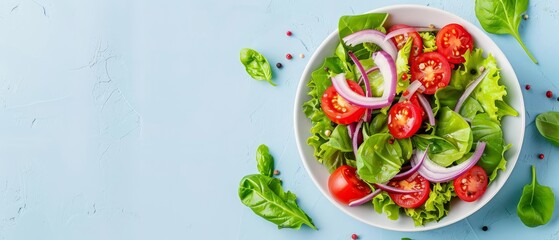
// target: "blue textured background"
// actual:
[[134, 119]]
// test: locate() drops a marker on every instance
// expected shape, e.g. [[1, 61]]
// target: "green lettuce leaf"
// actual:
[[436, 207], [470, 108], [350, 24], [384, 204], [429, 43]]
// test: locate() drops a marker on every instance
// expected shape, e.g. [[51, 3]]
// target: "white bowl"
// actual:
[[513, 127]]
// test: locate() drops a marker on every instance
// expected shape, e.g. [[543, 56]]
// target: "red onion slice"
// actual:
[[414, 169], [356, 138], [426, 108], [436, 174], [372, 36], [390, 189], [365, 199], [469, 90], [407, 30], [411, 89], [387, 68], [364, 75]]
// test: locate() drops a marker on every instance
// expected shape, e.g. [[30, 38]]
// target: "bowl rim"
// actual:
[[503, 175]]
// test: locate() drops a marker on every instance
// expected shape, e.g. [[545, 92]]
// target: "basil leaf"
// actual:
[[548, 126], [536, 204], [503, 17], [264, 161], [265, 196], [256, 65]]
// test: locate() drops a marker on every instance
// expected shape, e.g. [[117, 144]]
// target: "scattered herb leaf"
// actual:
[[536, 204], [256, 65]]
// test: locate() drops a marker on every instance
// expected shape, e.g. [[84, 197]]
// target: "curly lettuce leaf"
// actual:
[[382, 203], [436, 207], [429, 43]]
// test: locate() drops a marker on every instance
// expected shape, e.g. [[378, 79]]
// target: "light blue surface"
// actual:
[[136, 120]]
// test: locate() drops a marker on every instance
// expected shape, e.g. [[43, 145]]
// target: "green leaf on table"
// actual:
[[256, 65], [503, 17], [548, 125], [536, 204], [265, 196], [264, 161]]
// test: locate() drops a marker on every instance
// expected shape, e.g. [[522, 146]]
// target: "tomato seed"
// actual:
[[549, 94], [354, 236], [288, 56], [279, 65], [289, 33], [485, 228], [541, 156], [528, 87]]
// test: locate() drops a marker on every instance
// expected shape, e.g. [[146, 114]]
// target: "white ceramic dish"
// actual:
[[414, 15]]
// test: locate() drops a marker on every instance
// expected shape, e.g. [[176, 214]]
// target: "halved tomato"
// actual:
[[453, 41], [411, 200], [471, 185], [400, 40], [345, 186], [340, 110], [404, 119], [432, 70]]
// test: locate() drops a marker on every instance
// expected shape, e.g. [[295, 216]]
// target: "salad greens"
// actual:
[[536, 204], [265, 196], [256, 65], [503, 17], [449, 142], [264, 161], [548, 126]]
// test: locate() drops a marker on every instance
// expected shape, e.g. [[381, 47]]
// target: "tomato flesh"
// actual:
[[432, 70], [453, 41], [340, 110], [404, 119], [345, 186], [411, 200], [400, 40], [471, 185]]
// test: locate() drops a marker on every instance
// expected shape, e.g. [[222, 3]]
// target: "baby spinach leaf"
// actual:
[[536, 204], [548, 126], [265, 196], [378, 161], [453, 128], [350, 24], [487, 130], [264, 161], [503, 17], [256, 65]]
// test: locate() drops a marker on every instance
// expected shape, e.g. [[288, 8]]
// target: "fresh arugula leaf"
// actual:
[[264, 161], [536, 204], [265, 196], [256, 65], [503, 17]]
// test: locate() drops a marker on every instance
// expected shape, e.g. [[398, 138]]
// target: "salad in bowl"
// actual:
[[409, 118]]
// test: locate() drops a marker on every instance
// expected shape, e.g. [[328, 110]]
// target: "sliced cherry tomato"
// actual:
[[432, 70], [471, 185], [411, 200], [345, 186], [340, 110], [404, 119], [453, 41], [400, 40]]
